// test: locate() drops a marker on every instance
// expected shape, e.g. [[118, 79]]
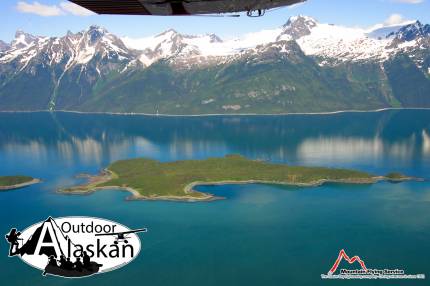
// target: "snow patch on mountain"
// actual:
[[4, 46], [171, 43], [342, 43]]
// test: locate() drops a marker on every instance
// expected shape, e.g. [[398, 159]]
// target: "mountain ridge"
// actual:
[[302, 66]]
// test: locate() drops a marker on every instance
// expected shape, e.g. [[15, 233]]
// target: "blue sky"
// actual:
[[56, 17]]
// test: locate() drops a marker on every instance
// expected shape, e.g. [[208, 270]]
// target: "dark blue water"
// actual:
[[259, 235]]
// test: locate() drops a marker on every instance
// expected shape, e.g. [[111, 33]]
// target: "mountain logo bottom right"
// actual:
[[363, 272]]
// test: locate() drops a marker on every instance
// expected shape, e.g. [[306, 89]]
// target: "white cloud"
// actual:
[[63, 8], [39, 9], [74, 9], [394, 19], [408, 1]]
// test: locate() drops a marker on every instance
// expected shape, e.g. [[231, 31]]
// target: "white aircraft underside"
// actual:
[[181, 7]]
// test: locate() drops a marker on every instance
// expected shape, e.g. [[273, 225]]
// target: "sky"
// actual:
[[56, 17]]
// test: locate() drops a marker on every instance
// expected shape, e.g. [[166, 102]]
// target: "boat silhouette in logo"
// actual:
[[75, 247]]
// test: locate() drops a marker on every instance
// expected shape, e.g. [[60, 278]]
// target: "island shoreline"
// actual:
[[107, 175], [19, 186]]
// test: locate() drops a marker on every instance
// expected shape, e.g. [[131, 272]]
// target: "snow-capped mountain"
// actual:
[[411, 32], [336, 44], [329, 43], [3, 46], [68, 51], [80, 71]]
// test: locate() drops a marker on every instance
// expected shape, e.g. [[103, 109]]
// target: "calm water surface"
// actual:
[[259, 235]]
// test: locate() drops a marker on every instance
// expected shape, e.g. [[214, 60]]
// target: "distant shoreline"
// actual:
[[216, 114]]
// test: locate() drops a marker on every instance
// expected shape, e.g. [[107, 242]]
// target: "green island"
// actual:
[[153, 180], [394, 176], [16, 182]]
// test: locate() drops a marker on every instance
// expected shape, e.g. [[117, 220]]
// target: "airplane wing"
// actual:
[[124, 232], [179, 7]]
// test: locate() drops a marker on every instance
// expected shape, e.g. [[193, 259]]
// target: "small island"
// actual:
[[153, 180], [16, 182]]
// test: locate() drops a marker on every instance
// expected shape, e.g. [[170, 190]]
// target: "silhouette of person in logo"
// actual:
[[63, 260], [13, 238], [78, 264], [86, 260], [68, 265], [52, 261]]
